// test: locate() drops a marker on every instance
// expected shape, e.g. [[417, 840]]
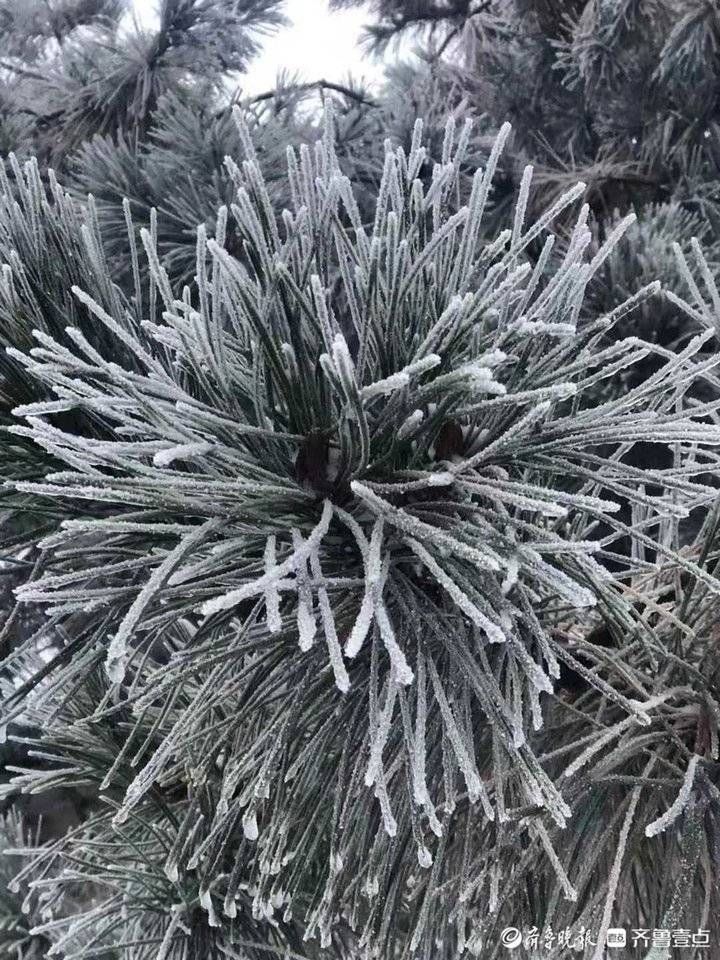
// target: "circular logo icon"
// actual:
[[511, 937]]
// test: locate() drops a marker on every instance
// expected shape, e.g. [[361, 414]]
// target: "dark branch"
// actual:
[[315, 84], [21, 71]]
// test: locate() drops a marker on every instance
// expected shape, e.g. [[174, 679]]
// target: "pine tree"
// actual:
[[80, 69], [621, 95], [392, 18], [180, 170], [370, 636]]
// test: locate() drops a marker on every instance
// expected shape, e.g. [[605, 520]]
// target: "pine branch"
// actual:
[[313, 85], [21, 70], [348, 515]]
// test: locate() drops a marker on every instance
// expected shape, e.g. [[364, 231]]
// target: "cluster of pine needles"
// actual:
[[366, 585]]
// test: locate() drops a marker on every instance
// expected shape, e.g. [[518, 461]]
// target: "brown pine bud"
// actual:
[[450, 441], [311, 463]]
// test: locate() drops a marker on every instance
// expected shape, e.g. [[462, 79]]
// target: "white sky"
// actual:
[[318, 45]]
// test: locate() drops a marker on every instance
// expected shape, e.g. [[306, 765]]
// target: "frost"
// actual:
[[173, 926], [234, 597], [394, 382], [402, 378], [464, 760], [272, 597], [612, 733], [424, 858], [342, 680], [372, 887], [183, 451], [343, 364], [374, 570], [535, 327], [679, 804], [117, 654], [372, 559], [399, 665], [307, 625], [418, 756], [614, 878], [207, 905], [362, 625], [442, 478], [389, 821], [511, 576], [250, 825], [410, 424], [491, 630], [374, 767], [568, 889], [419, 529], [447, 579]]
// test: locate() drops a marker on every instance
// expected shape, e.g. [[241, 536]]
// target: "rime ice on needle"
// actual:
[[449, 590]]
